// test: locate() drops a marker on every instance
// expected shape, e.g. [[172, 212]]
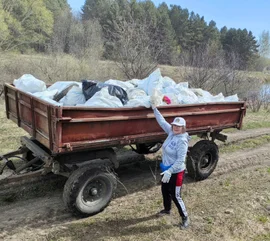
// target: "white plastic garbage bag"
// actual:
[[167, 81], [186, 96], [135, 93], [175, 88], [103, 99], [123, 84], [134, 82], [203, 95], [231, 98], [152, 82], [156, 82], [140, 101], [217, 98], [170, 89], [73, 97], [47, 93], [53, 102], [29, 83], [182, 84]]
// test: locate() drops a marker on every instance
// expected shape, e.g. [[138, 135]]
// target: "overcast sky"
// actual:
[[250, 14]]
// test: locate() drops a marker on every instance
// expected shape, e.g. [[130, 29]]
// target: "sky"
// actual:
[[254, 15]]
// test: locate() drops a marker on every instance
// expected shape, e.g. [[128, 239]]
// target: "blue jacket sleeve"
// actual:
[[162, 122]]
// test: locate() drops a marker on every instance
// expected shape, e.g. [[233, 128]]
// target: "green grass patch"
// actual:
[[263, 237], [254, 120], [245, 144], [263, 219]]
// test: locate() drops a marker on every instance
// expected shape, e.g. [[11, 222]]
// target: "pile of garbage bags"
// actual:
[[116, 93]]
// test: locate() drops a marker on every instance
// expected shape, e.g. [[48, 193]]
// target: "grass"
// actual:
[[10, 133], [254, 120], [245, 144], [263, 237], [216, 213], [263, 219], [51, 68]]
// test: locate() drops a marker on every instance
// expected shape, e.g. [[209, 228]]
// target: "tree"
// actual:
[[95, 9], [166, 35], [150, 14], [86, 39], [211, 33], [29, 22], [202, 69], [211, 72], [82, 39], [240, 43], [180, 22], [197, 26], [137, 10], [264, 44], [4, 31], [59, 42], [134, 50], [57, 6]]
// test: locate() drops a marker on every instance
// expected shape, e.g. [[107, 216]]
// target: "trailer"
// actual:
[[79, 142]]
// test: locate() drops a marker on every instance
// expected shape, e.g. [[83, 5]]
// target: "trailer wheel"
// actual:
[[202, 159], [89, 190]]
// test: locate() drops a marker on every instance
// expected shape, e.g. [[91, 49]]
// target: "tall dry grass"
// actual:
[[51, 68]]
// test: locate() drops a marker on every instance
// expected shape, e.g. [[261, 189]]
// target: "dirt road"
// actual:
[[45, 218]]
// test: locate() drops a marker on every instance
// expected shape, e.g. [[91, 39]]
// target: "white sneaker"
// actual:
[[185, 223]]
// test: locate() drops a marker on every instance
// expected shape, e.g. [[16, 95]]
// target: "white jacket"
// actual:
[[174, 148]]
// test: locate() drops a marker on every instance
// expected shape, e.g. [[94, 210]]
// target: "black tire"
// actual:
[[89, 190], [202, 159]]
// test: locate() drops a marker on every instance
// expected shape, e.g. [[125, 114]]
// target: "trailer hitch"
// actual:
[[8, 163]]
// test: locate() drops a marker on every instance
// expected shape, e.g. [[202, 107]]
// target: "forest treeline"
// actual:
[[129, 32]]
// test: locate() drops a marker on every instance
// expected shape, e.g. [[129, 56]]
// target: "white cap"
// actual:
[[179, 121]]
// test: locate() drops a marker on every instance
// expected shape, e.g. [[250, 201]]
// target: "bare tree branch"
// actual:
[[208, 70], [135, 50]]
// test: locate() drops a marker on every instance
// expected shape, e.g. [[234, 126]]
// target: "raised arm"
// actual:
[[161, 121]]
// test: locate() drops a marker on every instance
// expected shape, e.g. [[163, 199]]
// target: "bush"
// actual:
[[254, 101]]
